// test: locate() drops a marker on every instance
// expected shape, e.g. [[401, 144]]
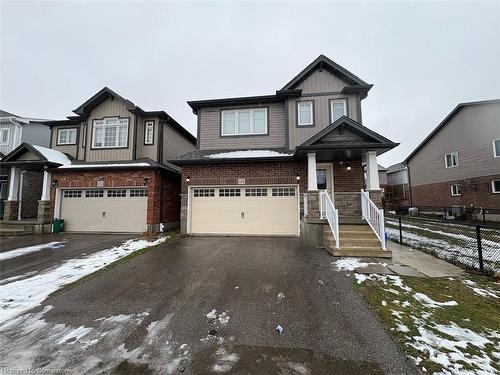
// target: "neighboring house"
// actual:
[[107, 168], [258, 158], [382, 177], [15, 130], [397, 190], [458, 164]]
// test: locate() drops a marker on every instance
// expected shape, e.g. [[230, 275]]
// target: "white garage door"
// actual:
[[104, 210], [249, 210]]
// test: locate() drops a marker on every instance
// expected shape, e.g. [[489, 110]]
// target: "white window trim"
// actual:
[[5, 130], [495, 155], [149, 125], [458, 188], [236, 119], [67, 130], [104, 125], [493, 187], [446, 162], [311, 104], [343, 101]]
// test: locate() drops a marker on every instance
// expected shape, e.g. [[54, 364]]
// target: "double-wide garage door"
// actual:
[[257, 210], [104, 210]]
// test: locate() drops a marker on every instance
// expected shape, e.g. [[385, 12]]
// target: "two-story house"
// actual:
[[107, 168], [15, 130], [261, 162], [458, 163], [397, 191]]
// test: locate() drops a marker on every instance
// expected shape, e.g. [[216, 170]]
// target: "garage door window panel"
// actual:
[[117, 193], [256, 192], [199, 193], [138, 193], [229, 192], [72, 194], [94, 193], [284, 192]]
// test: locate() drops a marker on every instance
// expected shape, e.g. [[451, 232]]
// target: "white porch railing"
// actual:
[[306, 205], [374, 216], [330, 213]]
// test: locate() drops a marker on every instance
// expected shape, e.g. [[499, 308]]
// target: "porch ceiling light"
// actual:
[[348, 165], [298, 177], [187, 179]]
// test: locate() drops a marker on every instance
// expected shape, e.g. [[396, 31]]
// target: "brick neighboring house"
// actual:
[[458, 164], [262, 161], [397, 190], [107, 168], [15, 130]]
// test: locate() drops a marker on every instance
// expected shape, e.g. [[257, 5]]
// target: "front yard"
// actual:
[[448, 325]]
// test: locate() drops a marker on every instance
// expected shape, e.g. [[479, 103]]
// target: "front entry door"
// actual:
[[324, 176]]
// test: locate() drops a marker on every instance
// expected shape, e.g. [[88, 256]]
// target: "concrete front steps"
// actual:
[[15, 228], [356, 240]]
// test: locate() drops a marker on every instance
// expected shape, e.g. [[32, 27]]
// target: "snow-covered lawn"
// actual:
[[22, 294], [30, 249], [449, 241], [447, 326]]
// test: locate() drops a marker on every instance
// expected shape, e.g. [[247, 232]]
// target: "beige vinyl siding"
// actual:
[[299, 135], [174, 143], [321, 82], [147, 151], [28, 155], [67, 149], [110, 108], [470, 132], [346, 136], [81, 140], [210, 123]]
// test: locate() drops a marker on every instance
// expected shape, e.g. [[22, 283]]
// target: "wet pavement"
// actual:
[[75, 245], [154, 313]]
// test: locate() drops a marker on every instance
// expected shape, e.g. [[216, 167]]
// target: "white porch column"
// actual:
[[47, 181], [15, 175], [312, 181], [372, 182]]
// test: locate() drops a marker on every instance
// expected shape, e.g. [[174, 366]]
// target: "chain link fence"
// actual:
[[472, 246]]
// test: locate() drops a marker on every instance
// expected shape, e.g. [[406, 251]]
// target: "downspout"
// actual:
[[409, 185]]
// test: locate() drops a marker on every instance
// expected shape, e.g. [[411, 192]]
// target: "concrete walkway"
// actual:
[[406, 261]]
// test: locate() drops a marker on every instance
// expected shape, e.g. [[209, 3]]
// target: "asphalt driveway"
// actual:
[[154, 313], [73, 245]]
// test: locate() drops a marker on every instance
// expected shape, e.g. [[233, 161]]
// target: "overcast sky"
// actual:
[[423, 58]]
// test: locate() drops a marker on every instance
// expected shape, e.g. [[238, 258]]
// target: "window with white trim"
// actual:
[[110, 132], [198, 193], [138, 193], [4, 136], [451, 159], [256, 192], [149, 132], [117, 193], [496, 148], [338, 108], [251, 121], [229, 192], [284, 192], [66, 136], [72, 194], [94, 193], [305, 113], [495, 186], [455, 190]]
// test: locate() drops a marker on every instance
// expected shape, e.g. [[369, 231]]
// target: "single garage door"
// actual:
[[104, 210], [250, 210]]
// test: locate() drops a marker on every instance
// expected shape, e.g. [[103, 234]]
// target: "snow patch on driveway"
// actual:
[[20, 296], [30, 249]]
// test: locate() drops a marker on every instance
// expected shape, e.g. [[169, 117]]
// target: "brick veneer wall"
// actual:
[[348, 181], [156, 181], [439, 194]]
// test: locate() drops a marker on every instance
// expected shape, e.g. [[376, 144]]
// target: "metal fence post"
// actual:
[[400, 232], [479, 247], [484, 216]]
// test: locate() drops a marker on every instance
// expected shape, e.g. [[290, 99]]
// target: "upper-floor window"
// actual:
[[66, 136], [4, 136], [496, 148], [451, 159], [338, 108], [495, 186], [305, 113], [244, 122], [149, 132], [110, 132]]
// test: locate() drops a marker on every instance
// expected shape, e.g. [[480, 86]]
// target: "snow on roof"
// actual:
[[247, 154], [53, 156], [116, 165]]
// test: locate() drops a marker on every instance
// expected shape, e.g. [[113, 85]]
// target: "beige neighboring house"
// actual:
[[458, 164]]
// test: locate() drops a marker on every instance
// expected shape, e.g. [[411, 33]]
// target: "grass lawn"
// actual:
[[446, 325]]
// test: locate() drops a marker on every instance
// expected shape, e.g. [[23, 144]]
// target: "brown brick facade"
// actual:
[[476, 191], [163, 190], [31, 193], [348, 181]]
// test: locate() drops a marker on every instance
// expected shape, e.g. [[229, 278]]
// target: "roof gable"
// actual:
[[36, 154], [101, 97], [323, 62]]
